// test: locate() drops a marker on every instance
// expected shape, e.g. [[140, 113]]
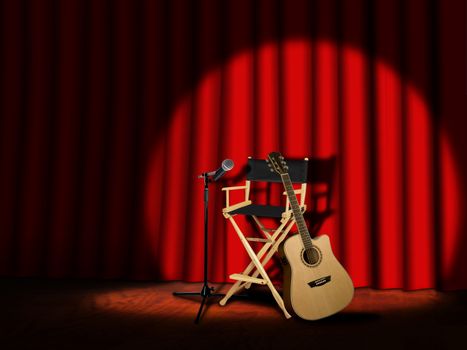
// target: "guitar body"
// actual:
[[317, 289]]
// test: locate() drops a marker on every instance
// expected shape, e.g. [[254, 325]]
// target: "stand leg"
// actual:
[[205, 293], [202, 293], [200, 310]]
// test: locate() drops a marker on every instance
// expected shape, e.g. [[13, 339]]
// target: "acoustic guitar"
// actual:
[[315, 283]]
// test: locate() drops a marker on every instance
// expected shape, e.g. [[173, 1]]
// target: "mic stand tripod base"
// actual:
[[206, 292]]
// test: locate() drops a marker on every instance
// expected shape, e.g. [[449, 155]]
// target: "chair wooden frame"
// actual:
[[255, 271]]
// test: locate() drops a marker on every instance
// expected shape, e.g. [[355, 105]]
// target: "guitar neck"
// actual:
[[297, 212]]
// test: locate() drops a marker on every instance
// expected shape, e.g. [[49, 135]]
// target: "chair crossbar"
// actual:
[[246, 278], [254, 239]]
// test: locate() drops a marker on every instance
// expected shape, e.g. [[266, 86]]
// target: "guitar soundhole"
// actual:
[[312, 256]]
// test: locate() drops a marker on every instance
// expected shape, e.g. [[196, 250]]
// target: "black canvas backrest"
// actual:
[[258, 170]]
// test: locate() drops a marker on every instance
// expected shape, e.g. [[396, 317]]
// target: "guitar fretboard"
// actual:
[[297, 212]]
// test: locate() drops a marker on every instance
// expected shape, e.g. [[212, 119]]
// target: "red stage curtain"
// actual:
[[109, 110]]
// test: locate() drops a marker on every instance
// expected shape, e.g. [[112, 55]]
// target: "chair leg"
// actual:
[[235, 288], [260, 268], [279, 299]]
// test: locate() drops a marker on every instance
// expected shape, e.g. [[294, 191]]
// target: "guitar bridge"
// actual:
[[320, 281]]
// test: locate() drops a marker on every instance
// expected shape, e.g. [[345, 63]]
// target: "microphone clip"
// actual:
[[227, 165]]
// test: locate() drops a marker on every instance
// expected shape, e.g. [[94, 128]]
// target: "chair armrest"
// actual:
[[298, 191], [236, 206], [295, 191], [227, 192], [233, 188]]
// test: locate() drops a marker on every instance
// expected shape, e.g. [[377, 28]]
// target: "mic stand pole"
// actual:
[[206, 291]]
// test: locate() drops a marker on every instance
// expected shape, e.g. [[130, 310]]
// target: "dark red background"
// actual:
[[109, 110]]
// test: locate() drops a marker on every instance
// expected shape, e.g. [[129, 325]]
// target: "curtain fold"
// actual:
[[110, 110]]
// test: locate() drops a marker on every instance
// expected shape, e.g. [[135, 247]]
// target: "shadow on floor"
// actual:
[[121, 315]]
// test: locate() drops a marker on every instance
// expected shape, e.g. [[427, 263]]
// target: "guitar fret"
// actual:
[[299, 220]]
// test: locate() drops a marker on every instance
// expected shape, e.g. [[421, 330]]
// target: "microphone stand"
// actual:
[[206, 291]]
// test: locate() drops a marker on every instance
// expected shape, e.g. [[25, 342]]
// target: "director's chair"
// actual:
[[258, 171]]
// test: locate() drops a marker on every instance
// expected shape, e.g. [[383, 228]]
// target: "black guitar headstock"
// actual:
[[276, 163]]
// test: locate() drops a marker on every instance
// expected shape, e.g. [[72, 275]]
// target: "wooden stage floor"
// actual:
[[64, 314]]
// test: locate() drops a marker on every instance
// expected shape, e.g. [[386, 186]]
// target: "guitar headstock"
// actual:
[[277, 163]]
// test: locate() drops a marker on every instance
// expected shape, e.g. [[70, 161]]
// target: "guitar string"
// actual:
[[299, 220]]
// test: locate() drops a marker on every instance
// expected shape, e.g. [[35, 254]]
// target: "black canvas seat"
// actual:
[[266, 211]]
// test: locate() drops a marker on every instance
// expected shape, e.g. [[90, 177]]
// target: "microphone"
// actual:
[[227, 164]]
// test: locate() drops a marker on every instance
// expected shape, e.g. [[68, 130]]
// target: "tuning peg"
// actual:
[[281, 157], [267, 160], [286, 167], [271, 170]]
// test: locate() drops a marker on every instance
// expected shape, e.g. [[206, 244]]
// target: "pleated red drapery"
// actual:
[[111, 108]]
